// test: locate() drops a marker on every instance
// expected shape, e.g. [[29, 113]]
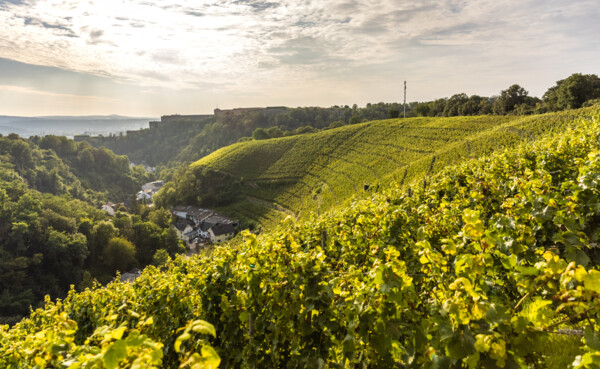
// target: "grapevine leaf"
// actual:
[[116, 352], [592, 281], [201, 326], [591, 339], [180, 340], [118, 333], [210, 356]]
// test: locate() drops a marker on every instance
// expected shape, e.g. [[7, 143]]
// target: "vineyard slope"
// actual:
[[480, 268], [308, 173]]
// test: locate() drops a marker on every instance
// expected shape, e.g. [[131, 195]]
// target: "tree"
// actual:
[[171, 242], [147, 238], [422, 110], [85, 158], [431, 109], [260, 134], [394, 113], [161, 257], [119, 254], [124, 224], [274, 132], [355, 119], [454, 103], [86, 227], [510, 98], [103, 232], [28, 208], [572, 92], [591, 102], [160, 217], [476, 105], [21, 154], [336, 124], [86, 282]]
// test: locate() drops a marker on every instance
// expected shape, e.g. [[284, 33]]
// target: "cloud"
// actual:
[[97, 33], [257, 46], [4, 3], [32, 91], [304, 50], [258, 5], [167, 56], [194, 13], [62, 28]]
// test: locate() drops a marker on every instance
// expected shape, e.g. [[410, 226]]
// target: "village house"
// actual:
[[203, 230], [185, 230], [221, 232], [180, 211], [155, 186], [144, 195], [147, 168], [149, 190], [199, 216], [202, 223], [109, 208]]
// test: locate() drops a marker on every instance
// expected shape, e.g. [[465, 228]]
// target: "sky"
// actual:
[[151, 58]]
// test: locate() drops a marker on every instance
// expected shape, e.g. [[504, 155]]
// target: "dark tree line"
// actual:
[[574, 92]]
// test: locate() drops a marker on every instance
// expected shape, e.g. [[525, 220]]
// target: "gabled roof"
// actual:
[[200, 214], [181, 208], [219, 229], [217, 218], [204, 227], [154, 185], [182, 225], [109, 209]]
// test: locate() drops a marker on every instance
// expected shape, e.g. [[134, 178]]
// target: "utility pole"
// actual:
[[404, 99]]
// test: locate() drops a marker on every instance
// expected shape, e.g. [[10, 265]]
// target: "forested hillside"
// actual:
[[263, 181], [57, 165], [189, 138], [52, 233], [184, 140], [479, 268]]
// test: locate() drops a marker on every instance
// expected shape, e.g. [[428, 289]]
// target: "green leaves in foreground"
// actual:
[[208, 357], [54, 344]]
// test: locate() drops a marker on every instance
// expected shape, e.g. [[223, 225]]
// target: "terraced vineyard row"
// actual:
[[314, 172]]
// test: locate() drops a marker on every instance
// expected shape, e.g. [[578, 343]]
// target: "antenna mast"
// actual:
[[404, 99]]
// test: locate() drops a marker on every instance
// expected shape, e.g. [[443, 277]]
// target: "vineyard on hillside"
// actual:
[[313, 172], [480, 268]]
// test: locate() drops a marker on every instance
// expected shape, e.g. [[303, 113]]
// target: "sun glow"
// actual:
[[293, 52]]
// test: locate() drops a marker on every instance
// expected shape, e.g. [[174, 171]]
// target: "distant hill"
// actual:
[[265, 180], [186, 138], [71, 125]]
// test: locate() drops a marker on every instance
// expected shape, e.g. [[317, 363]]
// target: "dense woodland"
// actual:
[[52, 234]]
